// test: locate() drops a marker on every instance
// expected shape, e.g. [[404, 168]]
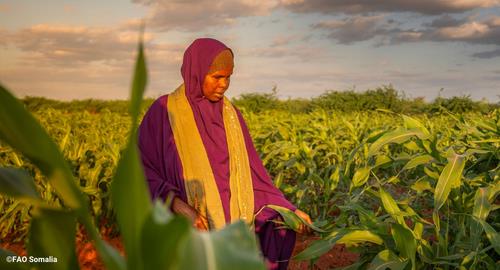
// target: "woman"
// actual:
[[195, 144]]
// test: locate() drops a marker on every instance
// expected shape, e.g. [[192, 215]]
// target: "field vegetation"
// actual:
[[405, 183]]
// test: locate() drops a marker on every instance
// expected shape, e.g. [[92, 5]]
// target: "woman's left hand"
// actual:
[[303, 228]]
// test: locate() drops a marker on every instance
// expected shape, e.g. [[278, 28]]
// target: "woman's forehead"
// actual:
[[222, 72]]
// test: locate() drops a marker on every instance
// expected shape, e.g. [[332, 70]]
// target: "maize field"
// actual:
[[428, 181], [405, 192]]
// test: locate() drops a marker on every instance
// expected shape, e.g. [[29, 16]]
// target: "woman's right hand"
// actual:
[[199, 221]]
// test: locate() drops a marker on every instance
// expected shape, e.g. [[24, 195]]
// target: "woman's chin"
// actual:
[[215, 98]]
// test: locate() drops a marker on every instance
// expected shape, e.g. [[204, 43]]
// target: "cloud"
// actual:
[[60, 59], [70, 45], [284, 40], [471, 31], [431, 7], [488, 54], [198, 15], [445, 21], [386, 32], [356, 28], [62, 45], [476, 32], [304, 53]]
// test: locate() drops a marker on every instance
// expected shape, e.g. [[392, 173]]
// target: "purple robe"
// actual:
[[163, 168]]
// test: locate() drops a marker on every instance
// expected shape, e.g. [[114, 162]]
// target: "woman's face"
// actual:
[[216, 83]]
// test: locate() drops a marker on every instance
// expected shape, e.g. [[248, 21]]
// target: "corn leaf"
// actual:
[[11, 265], [53, 233], [138, 84], [422, 185], [360, 177], [405, 242], [397, 136], [391, 207], [319, 247], [450, 176], [386, 259], [232, 247], [418, 160], [481, 210], [356, 237], [315, 250], [412, 123], [162, 235], [21, 131], [18, 184], [292, 220], [382, 160], [491, 234], [129, 192]]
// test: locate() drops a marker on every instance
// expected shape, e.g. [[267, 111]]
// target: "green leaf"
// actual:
[[482, 208], [315, 250], [129, 193], [18, 184], [360, 177], [422, 185], [11, 265], [109, 255], [139, 82], [356, 237], [319, 247], [131, 202], [432, 174], [367, 218], [418, 160], [405, 242], [482, 205], [21, 131], [232, 247], [381, 160], [412, 123], [397, 136], [418, 230], [450, 177], [163, 234], [292, 220], [52, 234], [386, 259], [491, 234], [391, 207], [471, 152]]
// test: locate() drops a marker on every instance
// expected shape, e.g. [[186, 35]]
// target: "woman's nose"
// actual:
[[224, 83]]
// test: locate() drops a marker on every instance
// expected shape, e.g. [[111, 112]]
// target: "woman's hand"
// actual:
[[303, 228], [180, 207], [201, 223]]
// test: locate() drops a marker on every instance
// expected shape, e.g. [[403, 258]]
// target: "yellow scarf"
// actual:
[[199, 180]]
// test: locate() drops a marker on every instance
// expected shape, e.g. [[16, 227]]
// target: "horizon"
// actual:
[[400, 94]]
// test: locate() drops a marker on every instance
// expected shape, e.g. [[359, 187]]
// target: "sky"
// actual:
[[86, 49]]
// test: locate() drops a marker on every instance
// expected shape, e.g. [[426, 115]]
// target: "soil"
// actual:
[[338, 256], [88, 258]]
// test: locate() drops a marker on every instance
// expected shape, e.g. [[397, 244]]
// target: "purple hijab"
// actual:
[[160, 159]]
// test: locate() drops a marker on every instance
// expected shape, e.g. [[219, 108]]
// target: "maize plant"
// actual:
[[413, 200]]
